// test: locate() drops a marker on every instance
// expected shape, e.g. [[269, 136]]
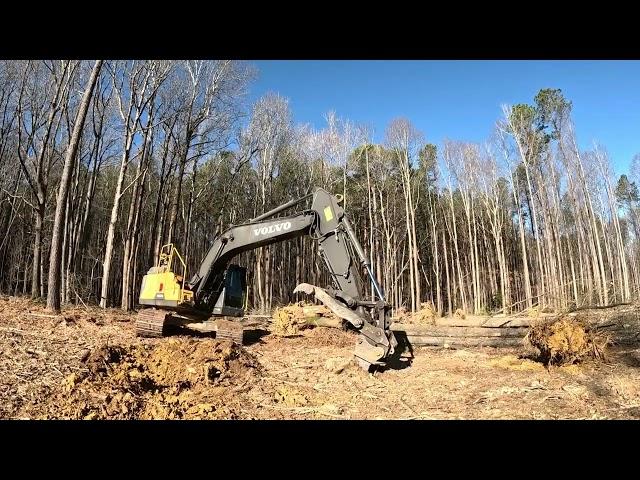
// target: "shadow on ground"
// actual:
[[402, 356]]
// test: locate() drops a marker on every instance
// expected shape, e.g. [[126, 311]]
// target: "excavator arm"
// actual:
[[341, 251], [208, 281]]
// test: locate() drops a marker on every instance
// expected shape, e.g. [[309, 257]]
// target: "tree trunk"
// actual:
[[111, 232], [53, 297], [37, 251]]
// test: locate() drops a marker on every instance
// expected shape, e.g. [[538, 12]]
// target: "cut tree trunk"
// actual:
[[463, 332], [464, 341]]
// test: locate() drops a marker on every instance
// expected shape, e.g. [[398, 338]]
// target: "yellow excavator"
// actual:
[[214, 298]]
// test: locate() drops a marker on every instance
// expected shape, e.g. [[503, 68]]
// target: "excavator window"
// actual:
[[235, 286]]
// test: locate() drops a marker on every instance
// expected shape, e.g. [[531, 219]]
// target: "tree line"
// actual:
[[103, 162]]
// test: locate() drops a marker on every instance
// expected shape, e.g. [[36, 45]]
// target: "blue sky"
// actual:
[[460, 99]]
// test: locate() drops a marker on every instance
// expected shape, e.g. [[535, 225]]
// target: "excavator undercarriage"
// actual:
[[157, 323], [152, 323]]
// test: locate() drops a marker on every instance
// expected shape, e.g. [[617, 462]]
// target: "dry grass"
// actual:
[[512, 362]]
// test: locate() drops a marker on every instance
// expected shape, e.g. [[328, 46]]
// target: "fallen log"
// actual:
[[464, 341], [491, 322], [325, 322], [506, 322], [601, 307], [438, 331], [432, 330], [315, 311]]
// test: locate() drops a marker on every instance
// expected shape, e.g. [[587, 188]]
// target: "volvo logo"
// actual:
[[279, 227]]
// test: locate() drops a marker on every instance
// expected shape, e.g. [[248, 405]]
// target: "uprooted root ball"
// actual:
[[289, 320], [566, 341], [426, 315]]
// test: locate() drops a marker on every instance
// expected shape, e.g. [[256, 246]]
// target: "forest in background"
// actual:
[[101, 163]]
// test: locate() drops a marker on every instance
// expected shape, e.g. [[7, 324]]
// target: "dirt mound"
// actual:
[[178, 378], [566, 341]]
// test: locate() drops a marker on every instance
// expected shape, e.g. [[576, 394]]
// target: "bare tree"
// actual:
[[136, 84], [270, 126], [405, 141], [53, 295], [42, 96]]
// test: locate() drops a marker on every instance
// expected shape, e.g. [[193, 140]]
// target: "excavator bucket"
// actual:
[[374, 344]]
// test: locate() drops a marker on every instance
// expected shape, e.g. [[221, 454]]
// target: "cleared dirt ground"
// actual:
[[87, 363]]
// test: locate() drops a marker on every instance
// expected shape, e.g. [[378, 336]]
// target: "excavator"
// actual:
[[214, 298]]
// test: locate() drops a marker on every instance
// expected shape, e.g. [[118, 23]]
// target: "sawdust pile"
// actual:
[[566, 341], [402, 315], [332, 337], [533, 312], [290, 397], [179, 378], [426, 314]]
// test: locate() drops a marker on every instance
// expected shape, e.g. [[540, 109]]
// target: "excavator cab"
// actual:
[[231, 301]]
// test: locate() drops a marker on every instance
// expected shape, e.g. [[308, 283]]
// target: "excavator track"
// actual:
[[152, 323], [226, 330]]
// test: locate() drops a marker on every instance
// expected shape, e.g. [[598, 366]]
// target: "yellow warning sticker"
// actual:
[[328, 213]]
